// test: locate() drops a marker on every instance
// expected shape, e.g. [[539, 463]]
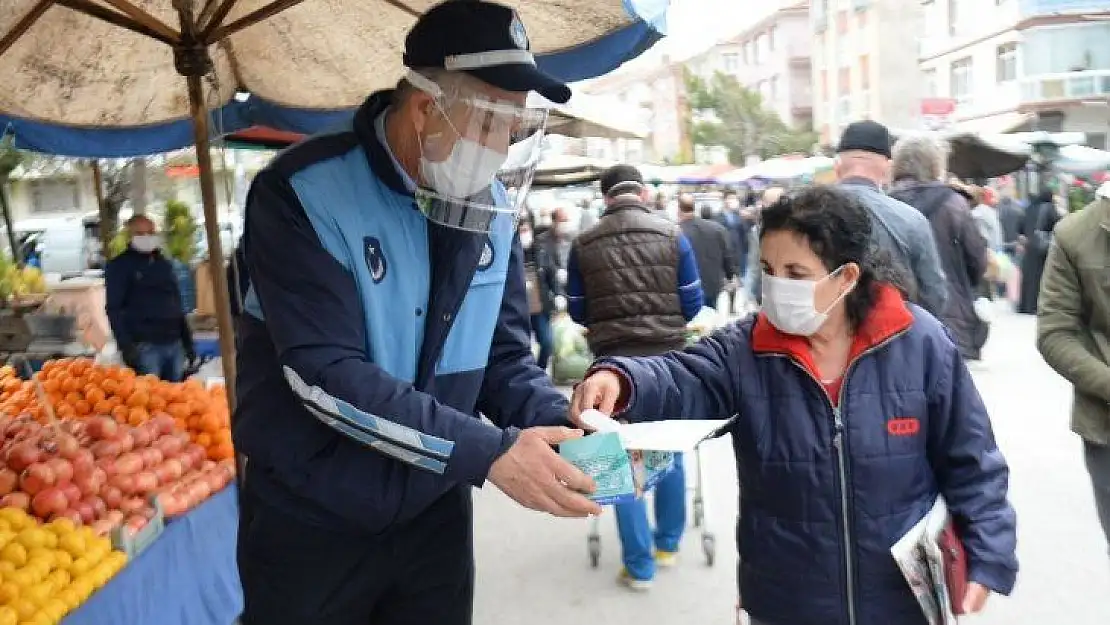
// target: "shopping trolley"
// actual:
[[708, 540]]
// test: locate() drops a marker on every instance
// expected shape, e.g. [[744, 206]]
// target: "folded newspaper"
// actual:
[[625, 461], [921, 559]]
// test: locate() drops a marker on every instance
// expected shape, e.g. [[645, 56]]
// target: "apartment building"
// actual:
[[772, 56], [658, 94], [1013, 65], [865, 65]]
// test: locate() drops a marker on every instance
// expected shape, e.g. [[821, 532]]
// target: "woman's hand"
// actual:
[[601, 390], [975, 598]]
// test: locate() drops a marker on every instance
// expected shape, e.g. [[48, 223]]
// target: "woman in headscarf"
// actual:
[[1036, 235]]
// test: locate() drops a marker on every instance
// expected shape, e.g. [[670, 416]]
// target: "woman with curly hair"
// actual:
[[855, 412]]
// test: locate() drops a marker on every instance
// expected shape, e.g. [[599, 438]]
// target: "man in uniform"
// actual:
[[386, 309]]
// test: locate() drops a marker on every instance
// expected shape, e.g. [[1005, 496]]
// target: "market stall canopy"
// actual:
[[705, 174], [584, 116], [114, 91], [565, 170], [975, 156], [1082, 160]]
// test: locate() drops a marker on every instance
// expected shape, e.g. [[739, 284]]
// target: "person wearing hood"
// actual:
[[917, 171], [143, 302], [387, 314], [1034, 241]]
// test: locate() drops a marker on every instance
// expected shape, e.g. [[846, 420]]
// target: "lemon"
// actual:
[[60, 579], [117, 559], [83, 587], [39, 594], [69, 597], [62, 525], [6, 536], [8, 616], [32, 537], [5, 525], [25, 609], [51, 540], [42, 618], [9, 592], [86, 533], [6, 568], [97, 551], [56, 608], [22, 578], [17, 518], [79, 567], [62, 559], [42, 554], [14, 553], [73, 543]]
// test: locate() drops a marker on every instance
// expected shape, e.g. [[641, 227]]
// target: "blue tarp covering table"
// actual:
[[187, 577]]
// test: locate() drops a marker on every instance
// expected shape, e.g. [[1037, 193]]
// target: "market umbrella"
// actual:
[[119, 63], [975, 156]]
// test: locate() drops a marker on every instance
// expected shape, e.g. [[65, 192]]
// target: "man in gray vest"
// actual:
[[632, 280]]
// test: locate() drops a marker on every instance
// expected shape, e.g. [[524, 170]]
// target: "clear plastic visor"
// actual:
[[478, 160]]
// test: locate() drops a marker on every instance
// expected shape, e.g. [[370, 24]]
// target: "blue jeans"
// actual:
[[541, 327], [637, 539], [165, 360]]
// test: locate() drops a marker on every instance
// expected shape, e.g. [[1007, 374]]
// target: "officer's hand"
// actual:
[[560, 303], [976, 598], [601, 391], [533, 475]]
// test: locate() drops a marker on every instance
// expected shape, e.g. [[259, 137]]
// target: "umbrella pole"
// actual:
[[212, 229]]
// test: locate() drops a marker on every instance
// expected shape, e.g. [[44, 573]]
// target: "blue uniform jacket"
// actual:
[[372, 339], [826, 489]]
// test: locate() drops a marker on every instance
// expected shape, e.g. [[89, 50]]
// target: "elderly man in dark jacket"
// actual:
[[632, 280], [144, 306], [917, 168], [715, 253]]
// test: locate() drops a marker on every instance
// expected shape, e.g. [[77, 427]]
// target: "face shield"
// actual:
[[473, 138]]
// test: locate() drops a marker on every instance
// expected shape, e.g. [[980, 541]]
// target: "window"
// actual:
[[760, 49], [747, 53], [773, 88], [731, 61], [824, 86], [1005, 64], [54, 196], [841, 22], [961, 80], [929, 82], [864, 72], [953, 17], [844, 108], [844, 81], [771, 39]]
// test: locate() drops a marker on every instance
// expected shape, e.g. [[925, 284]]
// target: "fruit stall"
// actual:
[[117, 502]]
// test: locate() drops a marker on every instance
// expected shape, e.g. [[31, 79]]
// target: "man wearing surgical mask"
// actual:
[[143, 301], [386, 314]]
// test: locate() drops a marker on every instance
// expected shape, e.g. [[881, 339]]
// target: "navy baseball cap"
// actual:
[[483, 39]]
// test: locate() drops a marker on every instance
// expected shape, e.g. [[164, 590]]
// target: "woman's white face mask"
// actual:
[[790, 305]]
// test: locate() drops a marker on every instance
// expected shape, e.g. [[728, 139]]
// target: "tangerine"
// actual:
[[137, 416], [120, 413]]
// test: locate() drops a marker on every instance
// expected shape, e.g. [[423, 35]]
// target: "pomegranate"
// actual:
[[49, 502], [88, 515], [169, 445], [72, 493], [68, 447], [132, 505], [22, 455], [126, 441], [146, 434], [129, 463], [112, 497], [90, 483], [171, 504], [163, 423], [125, 483], [9, 481], [63, 469], [107, 465], [83, 461], [16, 500], [36, 478], [145, 482], [97, 504], [102, 428], [106, 448], [151, 458]]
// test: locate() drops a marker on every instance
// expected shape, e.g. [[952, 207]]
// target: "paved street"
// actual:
[[533, 569]]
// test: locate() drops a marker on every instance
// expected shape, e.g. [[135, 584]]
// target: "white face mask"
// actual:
[[790, 304], [469, 168], [526, 239], [146, 243]]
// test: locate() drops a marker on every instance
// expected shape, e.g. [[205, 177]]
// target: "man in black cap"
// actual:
[[632, 280], [385, 311], [863, 168]]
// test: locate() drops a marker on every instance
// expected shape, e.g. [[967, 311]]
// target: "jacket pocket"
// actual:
[[468, 343]]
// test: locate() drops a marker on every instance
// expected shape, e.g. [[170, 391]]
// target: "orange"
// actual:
[[93, 394], [180, 424], [221, 451], [109, 386], [82, 407], [178, 410], [223, 435], [137, 416], [52, 386], [73, 397], [204, 439], [138, 399], [102, 407], [120, 413], [70, 384], [64, 411], [156, 403]]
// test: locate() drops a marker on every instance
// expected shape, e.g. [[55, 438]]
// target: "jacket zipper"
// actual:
[[840, 447]]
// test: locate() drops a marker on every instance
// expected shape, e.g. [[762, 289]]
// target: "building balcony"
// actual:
[[1085, 85], [1040, 8]]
